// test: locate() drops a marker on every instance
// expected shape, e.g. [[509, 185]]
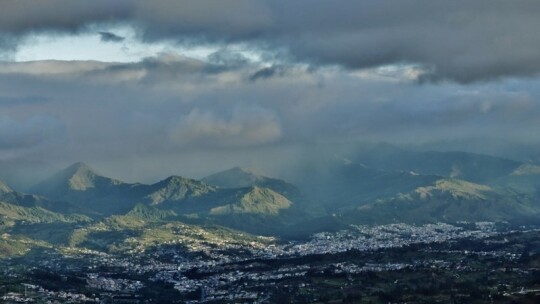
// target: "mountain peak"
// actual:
[[4, 188], [177, 179], [79, 165], [78, 168], [240, 172], [77, 177], [256, 200], [245, 170], [180, 181], [236, 177], [176, 188]]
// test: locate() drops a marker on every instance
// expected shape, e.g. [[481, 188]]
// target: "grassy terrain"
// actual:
[[37, 214], [11, 246]]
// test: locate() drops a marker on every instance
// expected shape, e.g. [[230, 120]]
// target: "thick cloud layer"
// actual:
[[176, 115], [324, 73], [463, 40]]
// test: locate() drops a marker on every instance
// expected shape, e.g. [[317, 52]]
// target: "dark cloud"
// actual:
[[463, 40], [267, 72], [228, 58], [110, 37], [20, 17], [8, 46], [171, 114]]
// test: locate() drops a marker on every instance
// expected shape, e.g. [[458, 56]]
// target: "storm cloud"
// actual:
[[271, 78], [462, 41], [171, 106], [110, 37]]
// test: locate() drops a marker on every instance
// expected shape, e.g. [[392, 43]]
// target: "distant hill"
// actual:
[[256, 200], [526, 170], [17, 213], [80, 208], [240, 178], [235, 178], [524, 180], [4, 188], [252, 209], [177, 188], [388, 186], [245, 205], [472, 167], [82, 186], [254, 203], [446, 200], [349, 184], [77, 177], [8, 195], [28, 215]]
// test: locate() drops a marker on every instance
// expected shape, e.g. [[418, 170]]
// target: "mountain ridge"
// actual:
[[4, 188], [351, 189], [176, 188], [77, 177]]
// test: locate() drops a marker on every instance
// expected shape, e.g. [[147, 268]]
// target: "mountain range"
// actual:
[[365, 188], [265, 202]]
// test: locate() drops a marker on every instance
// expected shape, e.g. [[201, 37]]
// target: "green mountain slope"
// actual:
[[38, 224], [176, 188], [351, 192], [36, 214], [11, 246], [255, 201], [253, 208], [31, 221], [447, 200], [16, 206], [146, 227], [11, 196], [264, 211]]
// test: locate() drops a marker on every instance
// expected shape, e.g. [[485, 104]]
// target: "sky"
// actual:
[[144, 89]]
